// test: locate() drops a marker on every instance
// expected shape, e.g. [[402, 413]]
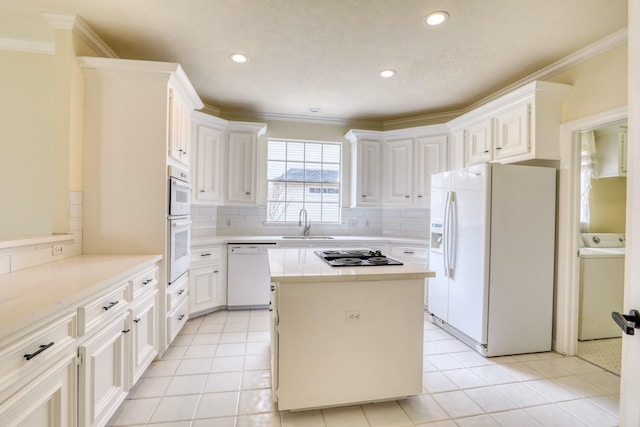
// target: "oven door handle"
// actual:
[[180, 223], [178, 183]]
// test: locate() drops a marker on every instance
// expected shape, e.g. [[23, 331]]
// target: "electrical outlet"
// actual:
[[353, 316], [57, 250]]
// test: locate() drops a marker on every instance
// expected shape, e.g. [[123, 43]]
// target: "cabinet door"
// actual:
[[430, 159], [177, 113], [144, 337], [102, 374], [368, 173], [208, 165], [204, 289], [458, 144], [398, 164], [512, 132], [47, 401], [480, 142], [242, 168]]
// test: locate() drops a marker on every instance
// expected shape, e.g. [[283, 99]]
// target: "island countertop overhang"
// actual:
[[303, 265]]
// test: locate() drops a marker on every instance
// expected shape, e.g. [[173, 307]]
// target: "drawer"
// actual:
[[177, 292], [411, 253], [93, 314], [146, 281], [206, 254], [177, 319], [36, 349]]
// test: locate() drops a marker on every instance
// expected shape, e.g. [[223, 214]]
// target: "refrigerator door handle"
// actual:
[[451, 225], [445, 240]]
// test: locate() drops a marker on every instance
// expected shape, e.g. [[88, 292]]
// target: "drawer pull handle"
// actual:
[[146, 282], [181, 317], [180, 291], [408, 252], [207, 254], [110, 306], [136, 320], [247, 193], [42, 348], [126, 331], [420, 195], [216, 271], [407, 196], [202, 191]]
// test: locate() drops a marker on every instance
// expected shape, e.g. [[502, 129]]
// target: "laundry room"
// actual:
[[603, 216]]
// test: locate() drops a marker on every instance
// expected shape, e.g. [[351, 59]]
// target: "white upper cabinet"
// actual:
[[207, 167], [242, 151], [394, 168], [479, 137], [611, 151], [398, 182], [366, 147], [430, 157], [521, 125], [179, 127]]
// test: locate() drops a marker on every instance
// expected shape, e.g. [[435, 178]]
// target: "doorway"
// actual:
[[569, 232], [602, 222]]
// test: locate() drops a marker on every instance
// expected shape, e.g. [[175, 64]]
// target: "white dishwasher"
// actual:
[[248, 279]]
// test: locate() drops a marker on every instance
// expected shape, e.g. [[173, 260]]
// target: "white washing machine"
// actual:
[[601, 285]]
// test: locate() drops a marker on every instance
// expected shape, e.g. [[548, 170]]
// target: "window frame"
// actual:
[[304, 183]]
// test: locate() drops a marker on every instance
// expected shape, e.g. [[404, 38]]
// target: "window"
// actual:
[[303, 174]]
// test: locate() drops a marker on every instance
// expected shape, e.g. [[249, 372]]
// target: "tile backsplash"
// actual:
[[30, 252], [241, 220]]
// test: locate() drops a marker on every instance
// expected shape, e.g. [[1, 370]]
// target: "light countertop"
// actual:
[[32, 294], [303, 265], [212, 240]]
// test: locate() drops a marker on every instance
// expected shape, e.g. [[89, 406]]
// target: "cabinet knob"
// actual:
[[364, 195], [498, 148], [180, 291], [136, 320], [216, 271], [420, 195], [486, 151], [202, 191], [181, 317], [247, 193], [406, 197]]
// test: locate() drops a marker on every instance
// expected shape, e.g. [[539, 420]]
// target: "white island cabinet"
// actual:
[[360, 327]]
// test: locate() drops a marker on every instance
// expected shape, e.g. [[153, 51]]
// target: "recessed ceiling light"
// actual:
[[435, 18], [239, 57], [387, 73], [315, 109]]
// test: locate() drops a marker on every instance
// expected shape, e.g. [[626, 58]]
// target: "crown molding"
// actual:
[[591, 51], [82, 30], [239, 115], [27, 46]]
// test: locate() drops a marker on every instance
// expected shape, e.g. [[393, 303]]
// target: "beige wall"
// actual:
[[607, 205], [599, 84], [27, 123]]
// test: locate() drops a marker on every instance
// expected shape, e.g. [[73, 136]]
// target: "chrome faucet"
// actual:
[[307, 223]]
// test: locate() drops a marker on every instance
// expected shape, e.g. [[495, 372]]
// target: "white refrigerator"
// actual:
[[493, 250]]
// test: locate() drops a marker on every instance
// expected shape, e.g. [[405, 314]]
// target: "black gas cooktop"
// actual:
[[355, 257]]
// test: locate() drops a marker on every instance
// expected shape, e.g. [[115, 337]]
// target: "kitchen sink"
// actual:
[[308, 237]]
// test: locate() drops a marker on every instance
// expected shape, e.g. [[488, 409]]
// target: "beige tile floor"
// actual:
[[216, 374]]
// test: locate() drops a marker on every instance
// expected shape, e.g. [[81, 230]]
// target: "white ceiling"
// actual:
[[327, 54]]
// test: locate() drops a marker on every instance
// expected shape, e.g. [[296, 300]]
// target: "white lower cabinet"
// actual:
[[144, 337], [177, 319], [208, 279], [47, 401], [102, 379]]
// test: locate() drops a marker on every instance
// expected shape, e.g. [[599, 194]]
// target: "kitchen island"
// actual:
[[344, 335]]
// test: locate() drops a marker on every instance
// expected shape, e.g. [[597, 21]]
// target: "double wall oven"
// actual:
[[179, 222]]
